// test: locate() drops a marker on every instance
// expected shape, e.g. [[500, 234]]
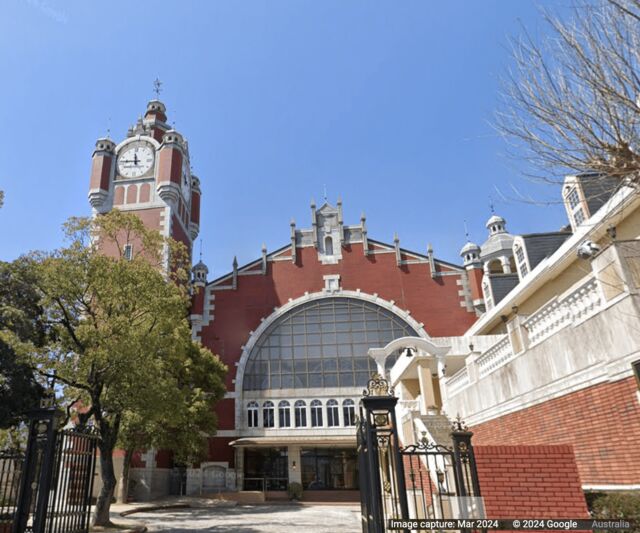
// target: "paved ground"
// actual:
[[255, 519]]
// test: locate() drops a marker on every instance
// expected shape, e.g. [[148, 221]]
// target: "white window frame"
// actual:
[[268, 415], [316, 414], [349, 412], [300, 407], [333, 413], [253, 419], [284, 414]]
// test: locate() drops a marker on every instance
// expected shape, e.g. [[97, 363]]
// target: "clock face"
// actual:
[[186, 179], [135, 160]]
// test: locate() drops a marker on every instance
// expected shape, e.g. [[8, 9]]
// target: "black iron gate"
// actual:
[[48, 488], [419, 481]]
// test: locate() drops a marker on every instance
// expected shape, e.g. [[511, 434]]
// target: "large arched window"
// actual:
[[322, 343]]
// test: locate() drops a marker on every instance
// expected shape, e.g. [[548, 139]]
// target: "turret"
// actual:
[[200, 272], [102, 168], [170, 160]]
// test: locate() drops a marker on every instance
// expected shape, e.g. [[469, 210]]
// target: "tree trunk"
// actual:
[[124, 487], [108, 437], [103, 503]]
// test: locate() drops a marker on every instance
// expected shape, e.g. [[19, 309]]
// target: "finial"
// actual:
[[157, 84], [235, 262], [491, 205], [466, 231], [396, 238], [325, 192], [313, 203], [363, 217], [200, 249], [264, 248], [339, 201], [293, 222], [109, 128]]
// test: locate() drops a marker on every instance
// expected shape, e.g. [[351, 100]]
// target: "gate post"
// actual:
[[465, 469], [380, 484], [38, 467]]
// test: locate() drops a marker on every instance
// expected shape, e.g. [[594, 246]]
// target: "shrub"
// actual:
[[617, 505], [294, 490]]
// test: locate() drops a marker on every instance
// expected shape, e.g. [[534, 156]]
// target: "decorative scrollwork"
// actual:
[[459, 425], [377, 386], [424, 445]]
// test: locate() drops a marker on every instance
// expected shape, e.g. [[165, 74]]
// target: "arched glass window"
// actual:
[[349, 412], [301, 414], [267, 415], [328, 246], [322, 343], [316, 413], [284, 414], [332, 414], [252, 414]]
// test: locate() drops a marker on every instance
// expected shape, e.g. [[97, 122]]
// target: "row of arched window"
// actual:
[[315, 411]]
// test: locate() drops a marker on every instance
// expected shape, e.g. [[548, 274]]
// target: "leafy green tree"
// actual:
[[121, 343], [21, 327]]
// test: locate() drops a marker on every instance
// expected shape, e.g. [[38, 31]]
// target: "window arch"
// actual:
[[333, 418], [268, 415], [252, 414], [316, 413], [495, 267], [322, 343], [284, 414], [349, 413], [300, 409]]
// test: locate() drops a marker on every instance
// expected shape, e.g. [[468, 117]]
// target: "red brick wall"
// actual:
[[434, 302], [587, 419], [530, 482]]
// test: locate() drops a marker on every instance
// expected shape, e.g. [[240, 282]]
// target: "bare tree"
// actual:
[[571, 102]]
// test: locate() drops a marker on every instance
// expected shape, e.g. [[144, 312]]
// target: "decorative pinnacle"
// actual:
[[396, 238], [235, 262], [363, 217], [459, 425], [157, 84]]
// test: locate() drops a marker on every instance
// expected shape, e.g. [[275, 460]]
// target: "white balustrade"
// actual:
[[496, 356], [457, 382], [564, 311]]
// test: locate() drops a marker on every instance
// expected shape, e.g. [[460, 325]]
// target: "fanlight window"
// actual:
[[301, 414], [284, 414], [332, 414], [268, 415], [349, 412], [252, 414], [316, 413], [321, 344]]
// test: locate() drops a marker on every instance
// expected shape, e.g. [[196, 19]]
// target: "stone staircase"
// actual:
[[438, 428]]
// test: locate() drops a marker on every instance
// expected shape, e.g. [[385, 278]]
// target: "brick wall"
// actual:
[[530, 482], [601, 422]]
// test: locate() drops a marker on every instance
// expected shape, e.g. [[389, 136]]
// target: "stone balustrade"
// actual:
[[496, 356], [563, 311]]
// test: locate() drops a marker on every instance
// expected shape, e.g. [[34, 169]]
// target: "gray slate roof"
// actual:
[[502, 284], [541, 245]]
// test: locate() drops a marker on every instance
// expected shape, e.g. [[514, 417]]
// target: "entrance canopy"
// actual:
[[319, 440]]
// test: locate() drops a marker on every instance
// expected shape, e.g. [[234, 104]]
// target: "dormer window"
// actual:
[[521, 260], [576, 212]]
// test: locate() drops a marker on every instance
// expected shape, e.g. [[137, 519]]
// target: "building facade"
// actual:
[[532, 340]]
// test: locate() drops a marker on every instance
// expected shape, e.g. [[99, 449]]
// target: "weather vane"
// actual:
[[466, 231], [157, 87], [325, 192], [491, 205], [200, 249]]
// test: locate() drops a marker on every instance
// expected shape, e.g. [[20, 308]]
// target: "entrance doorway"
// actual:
[[329, 468], [265, 469]]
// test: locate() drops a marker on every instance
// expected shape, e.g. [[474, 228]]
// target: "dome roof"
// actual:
[[495, 219], [469, 247], [200, 266]]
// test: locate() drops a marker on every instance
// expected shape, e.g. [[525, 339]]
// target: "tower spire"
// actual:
[[157, 87]]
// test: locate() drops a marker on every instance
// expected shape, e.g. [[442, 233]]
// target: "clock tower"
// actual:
[[148, 174]]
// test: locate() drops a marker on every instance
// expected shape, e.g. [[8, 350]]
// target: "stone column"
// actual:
[[426, 389]]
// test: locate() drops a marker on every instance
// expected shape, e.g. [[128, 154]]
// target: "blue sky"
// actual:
[[388, 104]]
